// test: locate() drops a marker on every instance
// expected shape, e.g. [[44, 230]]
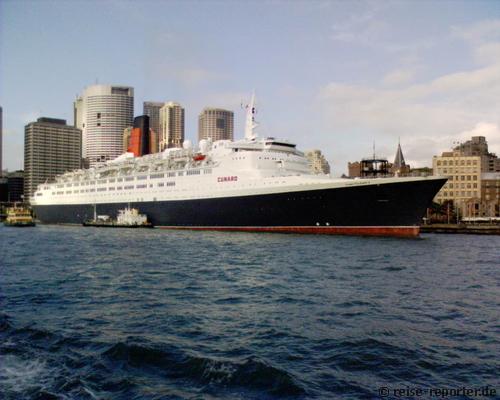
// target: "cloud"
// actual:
[[427, 116], [399, 76]]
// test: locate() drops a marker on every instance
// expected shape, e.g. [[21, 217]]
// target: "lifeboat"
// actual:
[[199, 157]]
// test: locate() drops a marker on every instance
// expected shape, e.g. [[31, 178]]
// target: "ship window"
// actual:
[[171, 174], [119, 180], [111, 188], [119, 188], [92, 190], [141, 186], [129, 178], [207, 171], [101, 189], [142, 177], [129, 187], [39, 194], [111, 181], [101, 181], [161, 184], [82, 191], [68, 191], [156, 176], [180, 173], [170, 183]]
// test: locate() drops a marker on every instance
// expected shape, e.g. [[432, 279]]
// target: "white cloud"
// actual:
[[428, 116]]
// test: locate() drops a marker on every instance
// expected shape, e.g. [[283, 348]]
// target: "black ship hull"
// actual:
[[389, 209]]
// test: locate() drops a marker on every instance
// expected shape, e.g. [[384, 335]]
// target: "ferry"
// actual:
[[19, 217], [257, 184]]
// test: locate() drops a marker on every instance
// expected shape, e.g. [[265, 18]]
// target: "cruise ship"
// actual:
[[252, 184]]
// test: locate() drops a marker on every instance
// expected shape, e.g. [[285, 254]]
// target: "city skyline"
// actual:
[[328, 75]]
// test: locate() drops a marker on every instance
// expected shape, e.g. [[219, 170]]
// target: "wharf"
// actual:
[[476, 229]]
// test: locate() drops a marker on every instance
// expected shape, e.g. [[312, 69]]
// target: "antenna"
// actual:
[[374, 149]]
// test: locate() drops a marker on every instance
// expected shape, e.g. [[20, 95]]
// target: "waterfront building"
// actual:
[[466, 166], [152, 110], [171, 125], [216, 124], [354, 169], [317, 161], [51, 147], [15, 186], [102, 112]]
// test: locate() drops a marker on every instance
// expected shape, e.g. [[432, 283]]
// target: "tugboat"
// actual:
[[127, 218], [19, 217]]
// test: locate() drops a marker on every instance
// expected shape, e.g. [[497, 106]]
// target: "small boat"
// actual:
[[127, 218], [19, 217]]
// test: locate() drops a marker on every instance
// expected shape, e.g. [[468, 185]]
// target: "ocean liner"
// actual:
[[252, 184]]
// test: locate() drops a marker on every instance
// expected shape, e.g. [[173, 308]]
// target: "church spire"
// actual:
[[399, 160]]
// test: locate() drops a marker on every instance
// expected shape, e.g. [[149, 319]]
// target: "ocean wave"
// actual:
[[251, 373]]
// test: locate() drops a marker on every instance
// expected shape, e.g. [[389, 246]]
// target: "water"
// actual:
[[150, 314]]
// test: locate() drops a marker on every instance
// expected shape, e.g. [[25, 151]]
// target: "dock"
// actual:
[[475, 229]]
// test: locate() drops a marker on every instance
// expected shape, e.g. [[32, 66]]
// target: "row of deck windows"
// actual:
[[128, 187]]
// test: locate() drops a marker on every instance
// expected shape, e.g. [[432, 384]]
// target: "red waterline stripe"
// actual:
[[397, 231]]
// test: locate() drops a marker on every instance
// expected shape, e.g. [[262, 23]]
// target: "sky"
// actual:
[[338, 76]]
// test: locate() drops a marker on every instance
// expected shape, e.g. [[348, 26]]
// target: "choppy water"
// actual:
[[120, 314]]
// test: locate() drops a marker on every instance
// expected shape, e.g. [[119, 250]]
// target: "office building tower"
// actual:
[[215, 124], [152, 110], [171, 125], [102, 112], [50, 148]]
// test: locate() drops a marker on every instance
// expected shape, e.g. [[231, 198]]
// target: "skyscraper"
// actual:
[[152, 110], [171, 125], [216, 124], [102, 112], [50, 148]]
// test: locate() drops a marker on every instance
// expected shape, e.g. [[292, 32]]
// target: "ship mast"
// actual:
[[250, 124]]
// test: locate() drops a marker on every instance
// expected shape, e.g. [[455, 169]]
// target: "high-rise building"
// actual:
[[102, 112], [1, 140], [317, 161], [171, 125], [152, 110], [215, 124], [50, 148]]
